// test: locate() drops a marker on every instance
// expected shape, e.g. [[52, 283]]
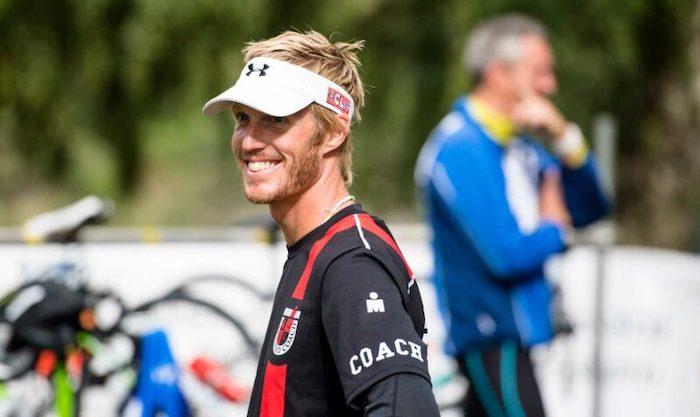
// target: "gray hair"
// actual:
[[498, 39]]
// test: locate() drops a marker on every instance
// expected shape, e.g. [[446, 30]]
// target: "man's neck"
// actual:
[[300, 214], [495, 100], [499, 126]]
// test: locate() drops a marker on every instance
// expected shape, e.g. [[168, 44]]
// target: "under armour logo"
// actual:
[[252, 69], [375, 304]]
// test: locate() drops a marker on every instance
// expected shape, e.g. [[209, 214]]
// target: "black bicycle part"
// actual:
[[180, 295]]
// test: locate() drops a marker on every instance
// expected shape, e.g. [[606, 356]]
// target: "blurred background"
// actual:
[[104, 97]]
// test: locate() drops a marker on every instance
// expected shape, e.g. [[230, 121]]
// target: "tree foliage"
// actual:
[[104, 96]]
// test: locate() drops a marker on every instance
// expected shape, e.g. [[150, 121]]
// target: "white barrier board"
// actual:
[[650, 349]]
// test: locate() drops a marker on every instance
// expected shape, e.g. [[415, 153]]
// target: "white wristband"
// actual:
[[570, 143]]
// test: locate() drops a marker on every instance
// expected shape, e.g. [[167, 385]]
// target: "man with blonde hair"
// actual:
[[345, 334]]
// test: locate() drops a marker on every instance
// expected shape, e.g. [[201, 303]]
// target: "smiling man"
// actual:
[[345, 334]]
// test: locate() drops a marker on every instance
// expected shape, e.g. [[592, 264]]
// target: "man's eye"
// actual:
[[240, 117], [278, 119]]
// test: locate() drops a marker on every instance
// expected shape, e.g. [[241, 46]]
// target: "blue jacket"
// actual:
[[489, 262]]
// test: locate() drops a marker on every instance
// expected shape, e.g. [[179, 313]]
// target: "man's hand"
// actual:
[[552, 205], [537, 114]]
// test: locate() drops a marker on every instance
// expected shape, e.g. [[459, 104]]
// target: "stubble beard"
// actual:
[[302, 173]]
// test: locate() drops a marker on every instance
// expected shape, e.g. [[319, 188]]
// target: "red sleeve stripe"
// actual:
[[368, 224], [274, 385]]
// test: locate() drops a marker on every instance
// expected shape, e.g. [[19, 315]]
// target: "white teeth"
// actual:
[[260, 166]]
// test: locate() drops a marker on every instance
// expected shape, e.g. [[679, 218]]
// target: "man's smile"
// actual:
[[258, 166]]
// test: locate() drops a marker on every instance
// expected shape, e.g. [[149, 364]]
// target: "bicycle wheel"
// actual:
[[221, 282], [236, 296]]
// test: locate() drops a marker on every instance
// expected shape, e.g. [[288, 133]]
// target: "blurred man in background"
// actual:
[[503, 177], [345, 335]]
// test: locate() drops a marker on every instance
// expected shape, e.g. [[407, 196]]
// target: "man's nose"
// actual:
[[252, 137], [548, 85]]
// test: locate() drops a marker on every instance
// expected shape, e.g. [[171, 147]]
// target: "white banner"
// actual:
[[643, 360]]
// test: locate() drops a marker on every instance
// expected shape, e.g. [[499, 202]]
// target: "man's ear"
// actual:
[[338, 135], [494, 73]]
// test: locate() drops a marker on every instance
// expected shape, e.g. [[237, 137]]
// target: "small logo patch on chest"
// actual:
[[286, 331]]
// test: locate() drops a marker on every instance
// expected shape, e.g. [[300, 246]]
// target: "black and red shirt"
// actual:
[[347, 314]]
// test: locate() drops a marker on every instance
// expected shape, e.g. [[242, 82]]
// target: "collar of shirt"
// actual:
[[497, 125]]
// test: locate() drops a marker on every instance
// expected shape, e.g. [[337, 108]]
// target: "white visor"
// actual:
[[279, 89]]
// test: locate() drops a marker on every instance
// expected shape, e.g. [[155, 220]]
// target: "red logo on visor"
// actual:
[[338, 100]]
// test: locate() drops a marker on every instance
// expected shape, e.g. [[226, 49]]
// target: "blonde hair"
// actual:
[[337, 62]]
